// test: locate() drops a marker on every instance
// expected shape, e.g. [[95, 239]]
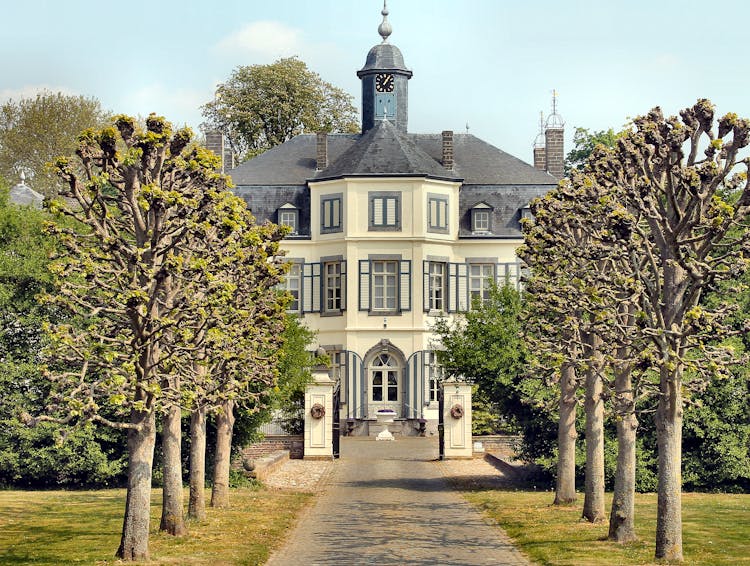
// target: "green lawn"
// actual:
[[716, 529], [83, 527]]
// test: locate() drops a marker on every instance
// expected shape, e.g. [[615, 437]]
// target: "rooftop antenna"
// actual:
[[554, 120], [385, 29], [539, 140], [467, 127]]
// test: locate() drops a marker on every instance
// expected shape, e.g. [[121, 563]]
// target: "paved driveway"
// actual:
[[388, 503]]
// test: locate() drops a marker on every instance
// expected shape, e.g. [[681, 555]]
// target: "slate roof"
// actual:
[[480, 163], [291, 163], [385, 151], [24, 195], [475, 161], [384, 57], [487, 174]]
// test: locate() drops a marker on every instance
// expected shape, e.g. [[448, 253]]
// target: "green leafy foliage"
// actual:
[[584, 143], [261, 106], [295, 364], [35, 131], [46, 455], [484, 346]]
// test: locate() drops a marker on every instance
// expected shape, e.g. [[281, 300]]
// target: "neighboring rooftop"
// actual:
[[23, 195]]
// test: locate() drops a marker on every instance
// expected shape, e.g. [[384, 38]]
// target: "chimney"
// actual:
[[321, 161], [554, 154], [215, 143], [540, 158], [448, 149]]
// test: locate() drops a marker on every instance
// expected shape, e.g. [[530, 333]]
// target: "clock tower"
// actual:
[[385, 82]]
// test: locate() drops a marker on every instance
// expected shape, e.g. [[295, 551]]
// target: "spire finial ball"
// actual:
[[385, 29]]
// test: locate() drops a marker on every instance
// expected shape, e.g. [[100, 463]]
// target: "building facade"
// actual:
[[390, 230]]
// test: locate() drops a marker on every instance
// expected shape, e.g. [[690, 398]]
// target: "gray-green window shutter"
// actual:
[[405, 285], [364, 284]]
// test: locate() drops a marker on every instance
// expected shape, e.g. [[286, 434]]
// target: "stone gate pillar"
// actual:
[[319, 416], [457, 420]]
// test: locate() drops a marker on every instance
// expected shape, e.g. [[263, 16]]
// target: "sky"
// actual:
[[488, 64]]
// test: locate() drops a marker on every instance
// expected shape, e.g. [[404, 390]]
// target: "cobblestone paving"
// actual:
[[300, 475], [391, 503]]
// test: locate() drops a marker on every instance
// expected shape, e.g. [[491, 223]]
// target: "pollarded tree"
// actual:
[[563, 251], [580, 294], [261, 106], [230, 343], [228, 316], [686, 188], [140, 198]]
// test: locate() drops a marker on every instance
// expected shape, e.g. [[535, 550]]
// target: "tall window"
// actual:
[[437, 286], [437, 213], [293, 286], [385, 211], [480, 279], [384, 371], [384, 285], [330, 214], [434, 374], [332, 286]]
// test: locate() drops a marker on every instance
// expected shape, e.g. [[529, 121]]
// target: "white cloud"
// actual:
[[30, 91], [264, 40]]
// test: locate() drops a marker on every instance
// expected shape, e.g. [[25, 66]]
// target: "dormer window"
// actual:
[[481, 218], [288, 215], [526, 213]]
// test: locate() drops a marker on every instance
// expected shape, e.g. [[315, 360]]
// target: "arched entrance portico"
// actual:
[[384, 367]]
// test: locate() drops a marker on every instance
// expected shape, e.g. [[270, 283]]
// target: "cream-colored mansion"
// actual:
[[391, 230]]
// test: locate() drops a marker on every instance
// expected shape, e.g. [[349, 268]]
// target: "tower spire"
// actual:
[[385, 29]]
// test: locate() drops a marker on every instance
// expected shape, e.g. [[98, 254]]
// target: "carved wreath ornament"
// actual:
[[317, 411], [457, 411]]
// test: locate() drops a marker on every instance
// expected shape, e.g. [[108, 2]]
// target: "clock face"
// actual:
[[384, 83]]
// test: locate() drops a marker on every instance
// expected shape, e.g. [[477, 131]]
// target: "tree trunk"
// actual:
[[224, 426], [593, 502], [197, 504], [565, 489], [135, 526], [622, 515], [669, 442], [172, 520]]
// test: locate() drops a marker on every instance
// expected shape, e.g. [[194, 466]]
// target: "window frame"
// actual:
[[386, 275], [435, 224], [432, 288], [288, 209], [337, 221], [367, 286], [481, 208], [340, 275], [289, 277], [382, 224], [485, 280], [434, 375]]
